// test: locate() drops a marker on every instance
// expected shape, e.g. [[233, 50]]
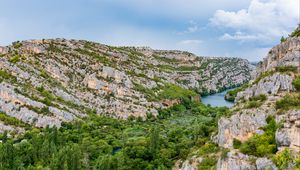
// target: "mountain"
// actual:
[[46, 82], [69, 104], [263, 131]]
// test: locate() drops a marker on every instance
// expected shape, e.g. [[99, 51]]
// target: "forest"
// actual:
[[100, 142]]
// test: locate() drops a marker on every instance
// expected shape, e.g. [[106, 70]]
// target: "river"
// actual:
[[217, 99]]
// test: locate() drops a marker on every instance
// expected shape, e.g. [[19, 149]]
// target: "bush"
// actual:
[[282, 39], [7, 76], [288, 102], [208, 163], [11, 120], [256, 101], [283, 159], [296, 33], [15, 59], [208, 148], [296, 83], [236, 143], [283, 69]]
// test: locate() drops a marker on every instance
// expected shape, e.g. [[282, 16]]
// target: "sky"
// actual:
[[231, 28]]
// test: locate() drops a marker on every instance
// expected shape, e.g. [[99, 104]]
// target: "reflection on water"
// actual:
[[217, 100]]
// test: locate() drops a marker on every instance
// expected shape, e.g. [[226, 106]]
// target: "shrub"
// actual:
[[15, 59], [224, 153], [282, 39], [208, 148], [296, 33], [7, 76], [256, 101], [286, 69], [296, 83], [208, 163], [11, 120], [288, 102], [17, 44], [236, 143], [283, 159]]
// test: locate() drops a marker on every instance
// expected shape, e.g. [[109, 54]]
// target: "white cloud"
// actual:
[[264, 20], [189, 42], [240, 36]]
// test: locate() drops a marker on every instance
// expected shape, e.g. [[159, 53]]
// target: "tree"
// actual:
[[282, 39], [106, 162], [8, 157], [154, 142]]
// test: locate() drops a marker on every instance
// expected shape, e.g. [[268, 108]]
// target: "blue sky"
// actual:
[[237, 28]]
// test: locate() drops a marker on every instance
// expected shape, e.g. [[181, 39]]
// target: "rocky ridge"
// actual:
[[47, 82], [275, 81], [271, 94]]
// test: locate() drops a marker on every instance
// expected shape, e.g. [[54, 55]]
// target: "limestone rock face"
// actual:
[[264, 163], [284, 54], [289, 135], [191, 164], [268, 85], [58, 80], [238, 161], [22, 108], [3, 50], [235, 161], [241, 126], [245, 122]]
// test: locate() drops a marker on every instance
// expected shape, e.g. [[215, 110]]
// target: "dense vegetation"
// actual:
[[106, 143]]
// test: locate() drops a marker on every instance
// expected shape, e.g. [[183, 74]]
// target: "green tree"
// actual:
[[154, 141]]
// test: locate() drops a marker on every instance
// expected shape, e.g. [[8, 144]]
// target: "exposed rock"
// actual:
[[3, 50], [268, 85], [289, 135], [284, 54], [17, 105], [236, 161], [241, 126], [264, 163], [190, 164], [59, 80]]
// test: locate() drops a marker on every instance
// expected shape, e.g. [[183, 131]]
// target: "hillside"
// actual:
[[263, 131], [46, 82], [108, 107]]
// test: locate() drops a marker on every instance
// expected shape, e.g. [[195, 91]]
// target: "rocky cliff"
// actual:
[[46, 82], [272, 95]]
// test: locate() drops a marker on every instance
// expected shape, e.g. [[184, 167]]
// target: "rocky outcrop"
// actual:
[[285, 54], [245, 122], [25, 109], [70, 78], [264, 163], [289, 135], [241, 125], [236, 161], [190, 164], [268, 85]]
